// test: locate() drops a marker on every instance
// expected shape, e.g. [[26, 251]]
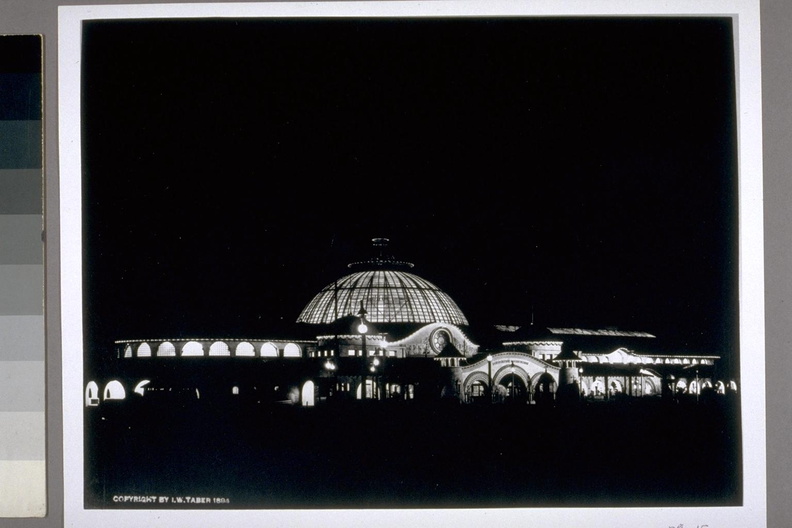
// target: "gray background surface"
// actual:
[[40, 17]]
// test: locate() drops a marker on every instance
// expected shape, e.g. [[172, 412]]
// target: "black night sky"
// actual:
[[583, 168]]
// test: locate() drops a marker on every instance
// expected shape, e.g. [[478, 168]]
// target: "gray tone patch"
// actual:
[[22, 386], [22, 338], [22, 289], [21, 191], [20, 144], [21, 240], [22, 435]]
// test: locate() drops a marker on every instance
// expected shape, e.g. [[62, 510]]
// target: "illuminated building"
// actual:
[[402, 338]]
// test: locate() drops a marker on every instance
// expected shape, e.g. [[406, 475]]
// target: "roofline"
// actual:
[[600, 332], [301, 341], [511, 343], [350, 336], [663, 355]]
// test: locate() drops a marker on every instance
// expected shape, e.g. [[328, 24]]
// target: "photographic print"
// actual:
[[347, 262]]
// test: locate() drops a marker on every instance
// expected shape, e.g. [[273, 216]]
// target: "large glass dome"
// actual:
[[388, 294]]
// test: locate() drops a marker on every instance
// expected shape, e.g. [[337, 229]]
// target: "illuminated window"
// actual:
[[245, 349], [269, 350], [114, 391], [144, 350], [307, 394], [192, 349], [291, 350], [166, 349], [91, 394], [219, 348]]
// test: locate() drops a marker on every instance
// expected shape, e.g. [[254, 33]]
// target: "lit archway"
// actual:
[[114, 391], [166, 349], [476, 386], [144, 350], [308, 394], [192, 349], [219, 348], [269, 350], [514, 389], [545, 387], [291, 351], [92, 394], [245, 349]]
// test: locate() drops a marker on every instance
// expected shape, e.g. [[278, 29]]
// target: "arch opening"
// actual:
[[166, 349], [245, 349], [269, 350], [91, 394], [513, 390], [291, 350], [308, 394], [114, 391], [192, 349], [219, 348]]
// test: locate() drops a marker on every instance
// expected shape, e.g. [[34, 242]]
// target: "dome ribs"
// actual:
[[389, 296]]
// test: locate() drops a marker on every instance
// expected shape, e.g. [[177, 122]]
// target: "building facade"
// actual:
[[384, 333]]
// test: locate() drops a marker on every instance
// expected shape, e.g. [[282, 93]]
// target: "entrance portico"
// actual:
[[511, 370]]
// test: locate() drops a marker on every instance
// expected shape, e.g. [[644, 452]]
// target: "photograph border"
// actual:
[[751, 277]]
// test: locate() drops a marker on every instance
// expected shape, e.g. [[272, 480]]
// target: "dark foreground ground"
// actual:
[[410, 455]]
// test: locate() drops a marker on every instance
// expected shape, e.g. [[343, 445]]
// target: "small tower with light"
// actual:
[[568, 376]]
